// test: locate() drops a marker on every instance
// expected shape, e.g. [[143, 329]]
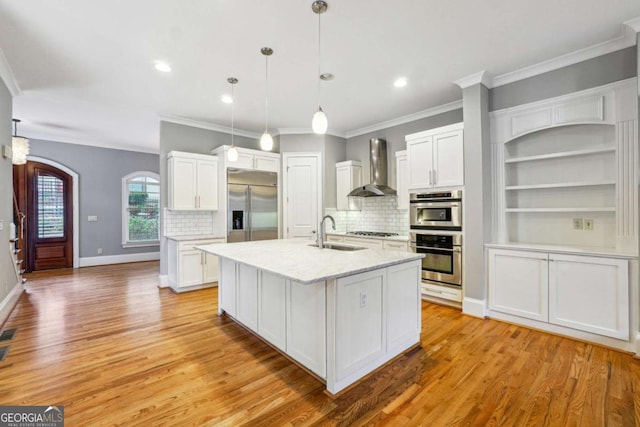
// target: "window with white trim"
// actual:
[[141, 209]]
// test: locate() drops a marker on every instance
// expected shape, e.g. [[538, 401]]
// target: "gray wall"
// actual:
[[8, 277], [609, 68], [100, 172], [358, 146]]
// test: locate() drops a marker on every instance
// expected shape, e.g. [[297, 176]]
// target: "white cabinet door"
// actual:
[[302, 192], [247, 296], [210, 268], [306, 327], [420, 154], [359, 301], [207, 178], [403, 304], [272, 313], [448, 170], [590, 294], [190, 268], [348, 177], [266, 163], [402, 179], [182, 183], [245, 161], [518, 283], [227, 291]]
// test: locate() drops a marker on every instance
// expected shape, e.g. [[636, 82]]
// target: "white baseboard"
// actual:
[[164, 281], [119, 259], [474, 307], [10, 301]]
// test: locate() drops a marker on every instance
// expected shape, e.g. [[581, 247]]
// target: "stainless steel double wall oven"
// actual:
[[436, 225]]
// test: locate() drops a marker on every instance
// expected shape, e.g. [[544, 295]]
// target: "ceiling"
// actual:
[[83, 70]]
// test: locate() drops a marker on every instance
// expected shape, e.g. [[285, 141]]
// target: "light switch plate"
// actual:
[[578, 224], [7, 152], [92, 218], [1, 224]]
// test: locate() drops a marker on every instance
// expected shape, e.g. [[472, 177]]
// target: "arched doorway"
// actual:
[[45, 194]]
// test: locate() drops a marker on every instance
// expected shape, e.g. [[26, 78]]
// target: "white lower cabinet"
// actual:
[[227, 287], [586, 293], [247, 296], [359, 302], [590, 294], [519, 283], [403, 325], [306, 325], [190, 268], [272, 313]]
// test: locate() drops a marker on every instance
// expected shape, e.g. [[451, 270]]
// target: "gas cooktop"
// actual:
[[372, 233]]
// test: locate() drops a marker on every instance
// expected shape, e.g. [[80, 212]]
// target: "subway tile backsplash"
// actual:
[[377, 214], [188, 223]]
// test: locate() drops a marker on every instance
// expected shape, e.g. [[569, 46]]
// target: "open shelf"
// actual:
[[572, 153], [559, 185]]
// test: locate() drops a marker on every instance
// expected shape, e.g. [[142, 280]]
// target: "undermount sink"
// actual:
[[340, 247]]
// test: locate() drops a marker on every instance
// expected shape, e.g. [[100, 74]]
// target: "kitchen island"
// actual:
[[340, 314]]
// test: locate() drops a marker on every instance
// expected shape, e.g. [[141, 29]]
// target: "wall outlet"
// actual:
[[99, 251], [92, 218], [578, 224], [1, 224], [588, 224], [363, 299]]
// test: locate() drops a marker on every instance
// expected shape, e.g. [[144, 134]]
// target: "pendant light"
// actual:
[[232, 153], [266, 141], [319, 123], [19, 146]]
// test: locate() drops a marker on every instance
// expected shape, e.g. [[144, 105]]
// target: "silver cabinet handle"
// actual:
[[430, 181], [435, 180]]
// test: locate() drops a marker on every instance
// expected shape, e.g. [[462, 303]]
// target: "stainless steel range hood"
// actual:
[[378, 161]]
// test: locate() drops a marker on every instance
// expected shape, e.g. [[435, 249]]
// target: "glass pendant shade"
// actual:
[[266, 142], [232, 154], [319, 123], [20, 148]]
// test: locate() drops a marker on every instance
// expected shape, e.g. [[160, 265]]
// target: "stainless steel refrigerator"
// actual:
[[252, 204]]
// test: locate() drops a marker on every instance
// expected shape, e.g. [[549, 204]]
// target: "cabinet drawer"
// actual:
[[191, 244], [367, 243], [395, 246], [441, 292], [334, 238]]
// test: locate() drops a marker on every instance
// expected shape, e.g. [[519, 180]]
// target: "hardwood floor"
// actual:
[[114, 349]]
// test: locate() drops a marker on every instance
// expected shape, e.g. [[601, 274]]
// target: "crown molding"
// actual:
[[6, 73], [633, 24], [626, 39], [455, 105], [305, 131], [208, 126], [92, 143], [481, 77]]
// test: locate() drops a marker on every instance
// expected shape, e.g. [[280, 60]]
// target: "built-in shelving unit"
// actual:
[[564, 160]]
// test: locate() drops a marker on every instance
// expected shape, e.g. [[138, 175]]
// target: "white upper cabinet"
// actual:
[[402, 179], [193, 181], [436, 157], [348, 177], [251, 159]]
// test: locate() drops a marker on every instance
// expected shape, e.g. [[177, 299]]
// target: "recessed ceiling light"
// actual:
[[401, 82], [227, 99], [162, 66]]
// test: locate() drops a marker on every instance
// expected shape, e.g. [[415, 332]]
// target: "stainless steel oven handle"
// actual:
[[425, 204], [455, 248]]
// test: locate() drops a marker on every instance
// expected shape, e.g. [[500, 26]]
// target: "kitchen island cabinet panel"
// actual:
[[359, 302], [306, 339], [272, 314], [247, 297], [403, 325], [227, 293]]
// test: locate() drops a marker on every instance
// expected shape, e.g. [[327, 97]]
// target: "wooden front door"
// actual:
[[47, 193]]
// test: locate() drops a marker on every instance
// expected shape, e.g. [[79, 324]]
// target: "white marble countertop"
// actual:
[[297, 260], [194, 238], [345, 234]]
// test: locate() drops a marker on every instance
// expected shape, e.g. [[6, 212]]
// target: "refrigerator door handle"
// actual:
[[249, 214]]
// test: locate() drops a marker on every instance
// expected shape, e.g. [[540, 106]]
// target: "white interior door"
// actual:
[[303, 192]]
